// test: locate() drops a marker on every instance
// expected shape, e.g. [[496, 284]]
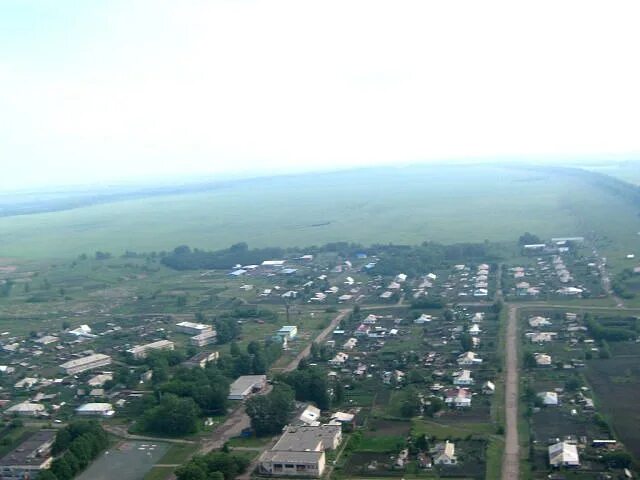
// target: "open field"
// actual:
[[410, 205]]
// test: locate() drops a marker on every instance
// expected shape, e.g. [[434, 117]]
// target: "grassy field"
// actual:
[[410, 205]]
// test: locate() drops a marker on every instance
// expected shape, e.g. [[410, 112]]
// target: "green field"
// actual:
[[410, 205]]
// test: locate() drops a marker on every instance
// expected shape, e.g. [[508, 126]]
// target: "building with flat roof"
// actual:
[[245, 385], [26, 409], [96, 409], [29, 458], [288, 331], [191, 328], [300, 451], [83, 364], [205, 338], [141, 351]]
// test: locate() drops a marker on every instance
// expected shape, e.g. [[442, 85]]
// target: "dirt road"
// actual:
[[511, 457]]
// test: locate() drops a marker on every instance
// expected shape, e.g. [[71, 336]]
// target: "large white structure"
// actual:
[[141, 351], [83, 364], [246, 385], [300, 451], [96, 409], [26, 409], [288, 331], [191, 328]]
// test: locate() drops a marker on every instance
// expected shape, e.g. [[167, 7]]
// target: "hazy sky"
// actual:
[[95, 90]]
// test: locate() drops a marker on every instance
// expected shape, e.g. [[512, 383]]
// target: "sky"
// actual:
[[101, 91]]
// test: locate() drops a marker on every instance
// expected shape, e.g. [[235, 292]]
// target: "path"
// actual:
[[511, 458], [121, 431]]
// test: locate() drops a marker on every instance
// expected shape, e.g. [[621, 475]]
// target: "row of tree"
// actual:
[[213, 466], [79, 443]]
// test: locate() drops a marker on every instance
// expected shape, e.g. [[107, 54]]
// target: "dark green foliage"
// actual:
[[174, 416], [617, 459], [213, 466], [529, 239], [228, 329], [183, 258], [81, 442], [612, 334], [310, 385], [270, 413]]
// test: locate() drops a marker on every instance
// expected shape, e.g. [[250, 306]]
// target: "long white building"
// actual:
[[83, 364], [141, 351]]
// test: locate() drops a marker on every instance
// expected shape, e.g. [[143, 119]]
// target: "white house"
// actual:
[[444, 454], [339, 360], [549, 398], [542, 359], [458, 397], [539, 322], [563, 454], [424, 318], [469, 358], [463, 378], [310, 416], [370, 320]]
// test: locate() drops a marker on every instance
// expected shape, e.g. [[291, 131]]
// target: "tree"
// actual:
[[270, 413], [191, 471], [174, 416], [529, 239], [466, 342], [617, 459], [47, 475]]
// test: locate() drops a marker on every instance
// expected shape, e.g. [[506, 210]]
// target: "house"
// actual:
[[82, 331], [488, 388], [362, 330], [100, 379], [343, 418], [300, 451], [480, 292], [474, 329], [444, 453], [287, 331], [26, 409], [563, 454], [245, 385], [424, 318], [310, 416], [469, 358], [463, 378], [96, 409], [350, 344], [542, 359], [401, 278], [339, 360], [458, 397], [83, 364], [477, 317], [140, 351], [370, 320], [535, 322], [29, 458], [548, 398], [541, 337], [47, 339]]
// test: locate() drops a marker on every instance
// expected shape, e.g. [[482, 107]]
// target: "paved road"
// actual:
[[511, 457]]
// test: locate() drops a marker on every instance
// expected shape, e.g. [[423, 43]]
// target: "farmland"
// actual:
[[410, 205]]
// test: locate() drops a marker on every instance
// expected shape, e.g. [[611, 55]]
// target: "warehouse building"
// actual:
[[246, 385], [83, 364]]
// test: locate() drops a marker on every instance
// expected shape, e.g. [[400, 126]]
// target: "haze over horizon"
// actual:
[[107, 91]]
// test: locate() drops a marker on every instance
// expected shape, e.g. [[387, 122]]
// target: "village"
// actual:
[[408, 366]]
